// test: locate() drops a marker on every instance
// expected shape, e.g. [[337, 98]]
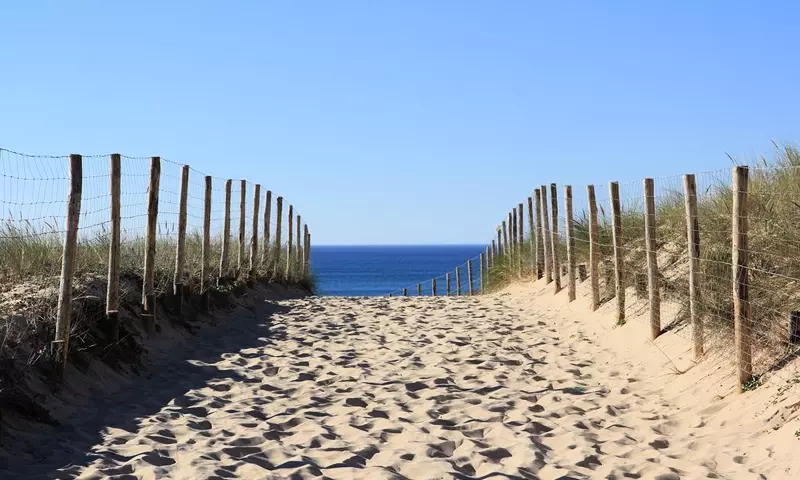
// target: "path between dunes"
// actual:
[[411, 388]]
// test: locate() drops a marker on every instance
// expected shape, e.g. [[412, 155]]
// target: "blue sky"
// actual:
[[404, 122]]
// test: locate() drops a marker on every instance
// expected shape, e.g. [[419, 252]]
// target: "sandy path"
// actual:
[[406, 388]]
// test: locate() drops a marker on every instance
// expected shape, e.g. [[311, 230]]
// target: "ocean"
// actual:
[[380, 270]]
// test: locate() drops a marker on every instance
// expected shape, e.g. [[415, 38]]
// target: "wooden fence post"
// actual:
[[554, 242], [298, 247], [242, 225], [486, 257], [570, 243], [481, 273], [290, 240], [594, 249], [650, 226], [619, 267], [278, 245], [469, 276], [458, 281], [741, 297], [532, 235], [520, 238], [149, 297], [306, 251], [693, 241], [447, 281], [405, 292], [64, 311], [226, 235], [267, 219], [548, 270], [505, 239], [433, 286], [254, 232], [419, 289], [112, 294], [537, 233], [499, 248], [512, 233], [180, 248], [205, 253]]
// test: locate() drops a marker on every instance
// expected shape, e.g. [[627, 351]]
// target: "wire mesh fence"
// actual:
[[712, 260], [128, 216]]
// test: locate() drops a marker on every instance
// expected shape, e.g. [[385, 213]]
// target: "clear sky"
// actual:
[[410, 121]]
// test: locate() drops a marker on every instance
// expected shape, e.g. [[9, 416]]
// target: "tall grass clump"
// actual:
[[774, 248]]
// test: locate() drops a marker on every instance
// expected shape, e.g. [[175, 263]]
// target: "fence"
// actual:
[[713, 256], [133, 224]]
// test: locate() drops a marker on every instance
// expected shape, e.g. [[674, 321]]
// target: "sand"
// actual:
[[510, 385]]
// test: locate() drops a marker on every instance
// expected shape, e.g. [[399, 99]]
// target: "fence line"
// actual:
[[144, 223], [712, 256]]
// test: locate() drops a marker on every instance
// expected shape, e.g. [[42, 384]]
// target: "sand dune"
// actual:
[[499, 386]]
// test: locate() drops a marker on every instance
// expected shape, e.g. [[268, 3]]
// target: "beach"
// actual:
[[515, 384]]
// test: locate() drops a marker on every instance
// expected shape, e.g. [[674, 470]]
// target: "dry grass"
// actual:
[[774, 244], [30, 264]]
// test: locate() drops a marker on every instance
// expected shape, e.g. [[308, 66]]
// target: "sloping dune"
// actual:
[[501, 386]]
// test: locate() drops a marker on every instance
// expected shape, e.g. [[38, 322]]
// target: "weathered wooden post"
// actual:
[[469, 276], [512, 234], [505, 239], [458, 281], [433, 286], [481, 274], [554, 243], [112, 293], [532, 235], [148, 294], [180, 249], [419, 289], [693, 241], [289, 252], [226, 235], [64, 309], [254, 233], [652, 262], [298, 247], [405, 292], [741, 294], [499, 247], [571, 287], [278, 246], [548, 261], [486, 256], [265, 256], [594, 249], [538, 233], [242, 224], [447, 281], [205, 267], [520, 238], [307, 252], [619, 267]]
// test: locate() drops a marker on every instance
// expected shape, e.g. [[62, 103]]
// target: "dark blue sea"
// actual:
[[380, 270]]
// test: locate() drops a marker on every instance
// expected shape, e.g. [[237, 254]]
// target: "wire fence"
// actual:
[[722, 270], [79, 261], [468, 278]]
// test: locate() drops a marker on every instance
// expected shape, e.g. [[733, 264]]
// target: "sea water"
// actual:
[[380, 270]]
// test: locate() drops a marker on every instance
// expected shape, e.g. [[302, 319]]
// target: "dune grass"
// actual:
[[774, 245]]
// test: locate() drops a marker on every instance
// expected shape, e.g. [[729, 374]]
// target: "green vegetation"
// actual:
[[30, 266], [774, 251]]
